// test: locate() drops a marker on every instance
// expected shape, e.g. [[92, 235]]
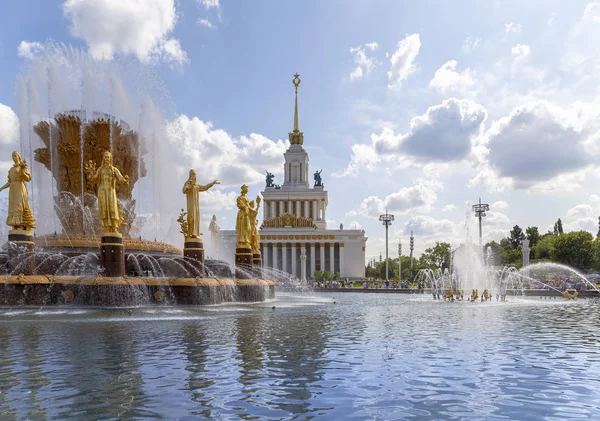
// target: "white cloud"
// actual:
[[207, 23], [210, 4], [402, 61], [28, 49], [496, 218], [9, 126], [520, 51], [218, 200], [579, 211], [444, 133], [423, 225], [529, 146], [449, 208], [594, 198], [363, 156], [418, 198], [513, 27], [447, 79], [141, 28], [501, 204], [214, 153], [364, 63]]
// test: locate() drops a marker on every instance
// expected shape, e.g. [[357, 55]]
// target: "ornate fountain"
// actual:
[[96, 259]]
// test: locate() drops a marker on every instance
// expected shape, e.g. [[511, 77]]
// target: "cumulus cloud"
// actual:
[[444, 133], [496, 218], [513, 28], [534, 143], [520, 51], [423, 225], [110, 27], [214, 153], [447, 79], [364, 63], [500, 204], [579, 211], [402, 62], [29, 50], [9, 126], [418, 198], [448, 208]]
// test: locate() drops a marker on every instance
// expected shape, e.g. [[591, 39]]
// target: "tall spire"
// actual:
[[296, 137]]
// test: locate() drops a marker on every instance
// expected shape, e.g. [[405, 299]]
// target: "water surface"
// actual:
[[366, 356]]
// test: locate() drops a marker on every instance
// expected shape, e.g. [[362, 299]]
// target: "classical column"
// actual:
[[322, 263], [290, 206], [302, 262], [312, 260], [314, 206], [306, 208], [281, 207], [264, 251], [319, 216], [284, 257], [323, 209], [273, 211], [265, 210], [332, 257], [294, 271], [342, 269], [274, 262], [298, 214]]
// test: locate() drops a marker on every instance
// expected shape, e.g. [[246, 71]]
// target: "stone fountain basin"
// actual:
[[39, 290]]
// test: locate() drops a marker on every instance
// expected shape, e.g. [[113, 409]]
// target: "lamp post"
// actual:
[[386, 219], [399, 259], [480, 209], [412, 247]]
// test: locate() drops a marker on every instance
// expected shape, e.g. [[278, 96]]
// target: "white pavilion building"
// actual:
[[294, 227]]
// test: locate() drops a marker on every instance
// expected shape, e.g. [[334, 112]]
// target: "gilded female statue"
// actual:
[[214, 232], [106, 177], [19, 214], [191, 189], [254, 236], [242, 222]]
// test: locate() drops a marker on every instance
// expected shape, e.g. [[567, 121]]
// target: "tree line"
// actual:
[[578, 249]]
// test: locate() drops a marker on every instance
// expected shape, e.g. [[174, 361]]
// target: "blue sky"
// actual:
[[414, 106]]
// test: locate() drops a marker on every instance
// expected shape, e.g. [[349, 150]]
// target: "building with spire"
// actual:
[[294, 229]]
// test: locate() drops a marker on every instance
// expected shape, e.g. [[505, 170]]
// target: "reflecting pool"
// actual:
[[323, 356]]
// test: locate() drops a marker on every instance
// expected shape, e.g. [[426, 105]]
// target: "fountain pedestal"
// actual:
[[21, 251], [112, 254], [243, 261], [257, 265], [193, 248]]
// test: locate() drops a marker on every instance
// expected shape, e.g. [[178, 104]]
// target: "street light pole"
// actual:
[[480, 210], [386, 219], [400, 259]]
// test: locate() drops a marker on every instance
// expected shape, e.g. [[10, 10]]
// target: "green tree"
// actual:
[[533, 235], [558, 228], [598, 235], [545, 248], [437, 256], [575, 249], [516, 237]]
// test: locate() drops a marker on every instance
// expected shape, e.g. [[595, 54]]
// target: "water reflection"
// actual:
[[365, 357]]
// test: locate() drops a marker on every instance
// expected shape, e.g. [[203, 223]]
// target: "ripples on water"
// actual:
[[368, 356]]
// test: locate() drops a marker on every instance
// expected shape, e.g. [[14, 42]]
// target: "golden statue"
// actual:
[[106, 177], [242, 222], [19, 214], [255, 235], [191, 189], [214, 232]]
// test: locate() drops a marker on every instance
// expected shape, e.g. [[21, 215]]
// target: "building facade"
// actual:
[[294, 237]]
